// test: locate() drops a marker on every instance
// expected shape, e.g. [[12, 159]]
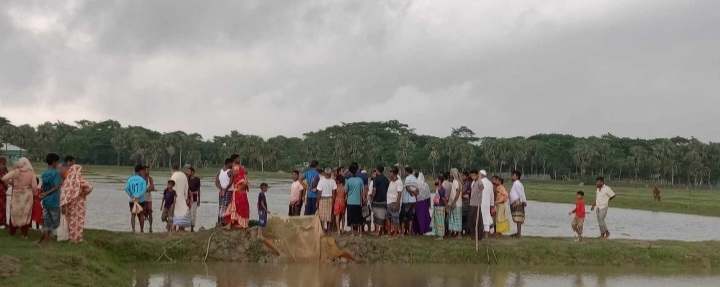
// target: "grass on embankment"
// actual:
[[677, 200], [106, 258], [540, 252]]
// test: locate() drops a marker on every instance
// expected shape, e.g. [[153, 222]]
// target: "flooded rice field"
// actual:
[[108, 209]]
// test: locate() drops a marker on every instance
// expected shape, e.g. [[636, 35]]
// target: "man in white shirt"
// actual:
[[486, 203], [222, 182], [394, 193], [326, 187], [518, 202], [409, 198], [603, 196]]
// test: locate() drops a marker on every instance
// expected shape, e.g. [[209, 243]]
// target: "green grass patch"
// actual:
[[674, 199]]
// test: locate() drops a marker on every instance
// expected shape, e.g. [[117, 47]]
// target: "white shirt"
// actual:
[[393, 189], [603, 195], [326, 186], [454, 191], [488, 194], [371, 189], [224, 178], [517, 192]]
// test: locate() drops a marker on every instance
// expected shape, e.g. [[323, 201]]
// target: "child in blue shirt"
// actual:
[[50, 195]]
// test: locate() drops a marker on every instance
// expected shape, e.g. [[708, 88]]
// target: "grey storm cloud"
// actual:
[[639, 68]]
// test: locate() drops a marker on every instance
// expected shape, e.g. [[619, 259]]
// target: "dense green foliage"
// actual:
[[675, 160]]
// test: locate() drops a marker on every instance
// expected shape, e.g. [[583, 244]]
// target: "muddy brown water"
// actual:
[[222, 275]]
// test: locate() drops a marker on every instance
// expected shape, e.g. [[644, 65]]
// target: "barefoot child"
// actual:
[[579, 211], [262, 206], [167, 204], [339, 203], [50, 196]]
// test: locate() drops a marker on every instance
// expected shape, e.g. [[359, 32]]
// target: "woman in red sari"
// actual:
[[238, 211], [3, 192], [37, 210]]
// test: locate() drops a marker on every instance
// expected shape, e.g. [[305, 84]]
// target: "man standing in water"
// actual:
[[194, 189], [181, 213], [223, 183], [312, 178], [148, 198], [135, 188], [518, 202], [602, 202]]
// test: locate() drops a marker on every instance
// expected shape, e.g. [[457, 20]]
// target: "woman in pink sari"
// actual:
[[72, 201], [23, 183], [238, 211]]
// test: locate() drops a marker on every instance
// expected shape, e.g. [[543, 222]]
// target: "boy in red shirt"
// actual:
[[579, 211]]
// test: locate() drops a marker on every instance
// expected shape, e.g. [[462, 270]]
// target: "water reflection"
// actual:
[[235, 275]]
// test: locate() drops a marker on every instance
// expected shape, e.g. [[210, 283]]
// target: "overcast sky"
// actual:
[[638, 68]]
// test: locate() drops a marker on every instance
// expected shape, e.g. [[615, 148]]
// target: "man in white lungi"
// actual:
[[181, 214], [486, 203]]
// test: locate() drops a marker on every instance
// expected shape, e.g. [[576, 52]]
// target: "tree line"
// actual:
[[555, 156]]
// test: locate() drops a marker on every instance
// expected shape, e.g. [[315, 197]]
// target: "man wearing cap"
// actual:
[[194, 189], [486, 203], [327, 188], [181, 212]]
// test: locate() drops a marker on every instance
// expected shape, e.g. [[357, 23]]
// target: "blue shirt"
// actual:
[[355, 188], [51, 178], [310, 176], [136, 187]]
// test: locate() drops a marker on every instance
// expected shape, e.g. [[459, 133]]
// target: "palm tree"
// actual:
[[435, 147], [404, 147], [664, 152], [583, 154], [638, 157]]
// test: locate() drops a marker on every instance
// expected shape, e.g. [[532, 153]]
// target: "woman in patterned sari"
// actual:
[[238, 211], [72, 201], [22, 180]]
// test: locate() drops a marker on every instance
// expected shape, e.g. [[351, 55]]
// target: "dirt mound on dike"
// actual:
[[285, 239]]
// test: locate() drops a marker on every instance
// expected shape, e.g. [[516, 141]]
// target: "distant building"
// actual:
[[11, 152]]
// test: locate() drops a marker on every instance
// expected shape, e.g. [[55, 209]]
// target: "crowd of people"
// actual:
[[401, 202], [180, 199], [395, 202], [57, 196]]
